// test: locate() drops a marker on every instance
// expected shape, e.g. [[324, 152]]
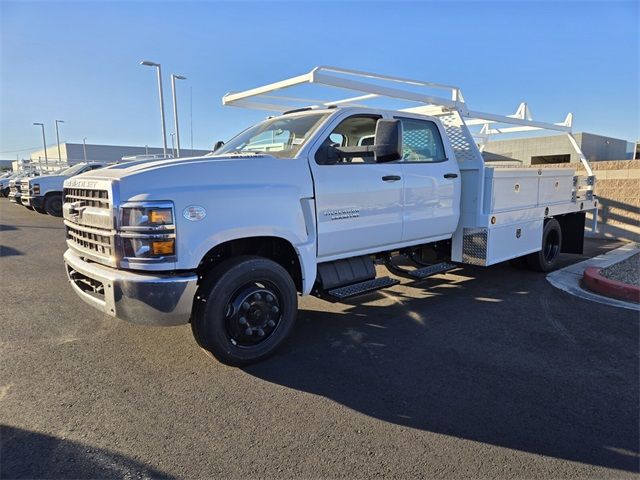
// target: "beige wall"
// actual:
[[618, 192]]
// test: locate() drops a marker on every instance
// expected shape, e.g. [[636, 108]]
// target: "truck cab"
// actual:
[[44, 194], [308, 202]]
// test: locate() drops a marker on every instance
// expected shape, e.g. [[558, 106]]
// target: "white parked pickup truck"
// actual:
[[15, 183], [308, 202], [44, 194]]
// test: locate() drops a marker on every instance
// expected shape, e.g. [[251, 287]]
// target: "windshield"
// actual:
[[281, 137], [71, 170]]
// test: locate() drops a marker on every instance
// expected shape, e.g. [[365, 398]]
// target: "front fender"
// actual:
[[297, 229]]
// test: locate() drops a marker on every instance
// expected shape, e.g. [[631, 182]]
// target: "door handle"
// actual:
[[391, 178], [450, 175]]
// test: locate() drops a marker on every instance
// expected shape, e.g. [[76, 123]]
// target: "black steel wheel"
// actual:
[[40, 210], [547, 258], [244, 309]]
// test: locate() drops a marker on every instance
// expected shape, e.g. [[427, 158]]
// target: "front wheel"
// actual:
[[40, 210], [547, 258], [244, 309], [53, 205]]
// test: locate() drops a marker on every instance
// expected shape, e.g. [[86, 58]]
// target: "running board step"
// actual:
[[362, 287], [420, 273], [430, 270]]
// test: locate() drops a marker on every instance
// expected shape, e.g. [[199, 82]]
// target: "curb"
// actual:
[[610, 288]]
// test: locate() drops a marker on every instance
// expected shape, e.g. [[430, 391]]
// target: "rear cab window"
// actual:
[[421, 141]]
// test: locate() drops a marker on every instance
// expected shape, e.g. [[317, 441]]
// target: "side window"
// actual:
[[356, 130], [421, 141]]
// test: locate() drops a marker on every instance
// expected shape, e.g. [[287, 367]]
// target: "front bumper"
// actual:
[[15, 198], [147, 299], [32, 201]]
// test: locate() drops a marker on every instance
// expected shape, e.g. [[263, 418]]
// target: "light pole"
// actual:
[[84, 148], [164, 128], [58, 140], [44, 144], [175, 77], [173, 145]]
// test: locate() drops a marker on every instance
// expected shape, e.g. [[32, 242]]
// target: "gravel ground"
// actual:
[[626, 271]]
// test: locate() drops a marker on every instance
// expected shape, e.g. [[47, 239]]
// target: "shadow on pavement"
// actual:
[[34, 455], [510, 363], [6, 228], [9, 251]]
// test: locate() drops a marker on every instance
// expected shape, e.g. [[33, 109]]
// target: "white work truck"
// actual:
[[308, 202], [44, 194]]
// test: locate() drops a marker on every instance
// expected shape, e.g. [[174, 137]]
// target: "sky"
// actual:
[[78, 61]]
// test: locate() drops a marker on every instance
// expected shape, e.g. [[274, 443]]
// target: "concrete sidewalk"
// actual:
[[569, 278]]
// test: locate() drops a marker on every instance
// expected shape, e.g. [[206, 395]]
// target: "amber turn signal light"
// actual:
[[162, 247]]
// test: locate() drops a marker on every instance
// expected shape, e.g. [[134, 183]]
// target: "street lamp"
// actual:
[[58, 140], [44, 144], [175, 77], [84, 148], [164, 128]]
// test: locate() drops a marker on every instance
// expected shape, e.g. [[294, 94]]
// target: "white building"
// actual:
[[72, 153]]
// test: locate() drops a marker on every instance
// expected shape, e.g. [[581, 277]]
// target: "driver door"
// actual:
[[358, 201]]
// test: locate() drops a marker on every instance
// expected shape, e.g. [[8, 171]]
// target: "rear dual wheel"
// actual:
[[244, 309], [547, 258]]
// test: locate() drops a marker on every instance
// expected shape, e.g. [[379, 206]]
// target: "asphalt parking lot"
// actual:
[[484, 373]]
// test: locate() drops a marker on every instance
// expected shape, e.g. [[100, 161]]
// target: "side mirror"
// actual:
[[218, 144], [387, 145], [387, 142]]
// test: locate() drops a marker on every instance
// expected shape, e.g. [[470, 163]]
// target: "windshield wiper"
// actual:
[[244, 152]]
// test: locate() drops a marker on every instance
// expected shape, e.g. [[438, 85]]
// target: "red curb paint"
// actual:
[[610, 288]]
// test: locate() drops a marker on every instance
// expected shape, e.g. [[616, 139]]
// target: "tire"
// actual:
[[244, 310], [53, 204], [547, 258], [40, 210], [28, 207]]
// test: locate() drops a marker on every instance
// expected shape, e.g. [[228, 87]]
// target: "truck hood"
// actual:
[[47, 178], [122, 170], [194, 177]]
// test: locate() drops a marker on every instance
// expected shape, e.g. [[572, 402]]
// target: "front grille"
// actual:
[[87, 231], [92, 241], [88, 196]]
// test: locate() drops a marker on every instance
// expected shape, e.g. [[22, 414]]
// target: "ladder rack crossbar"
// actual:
[[369, 86]]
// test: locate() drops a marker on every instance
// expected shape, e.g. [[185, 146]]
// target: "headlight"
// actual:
[[36, 189], [147, 230], [148, 216]]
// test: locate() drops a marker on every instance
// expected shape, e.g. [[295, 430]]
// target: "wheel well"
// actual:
[[48, 194], [274, 248]]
